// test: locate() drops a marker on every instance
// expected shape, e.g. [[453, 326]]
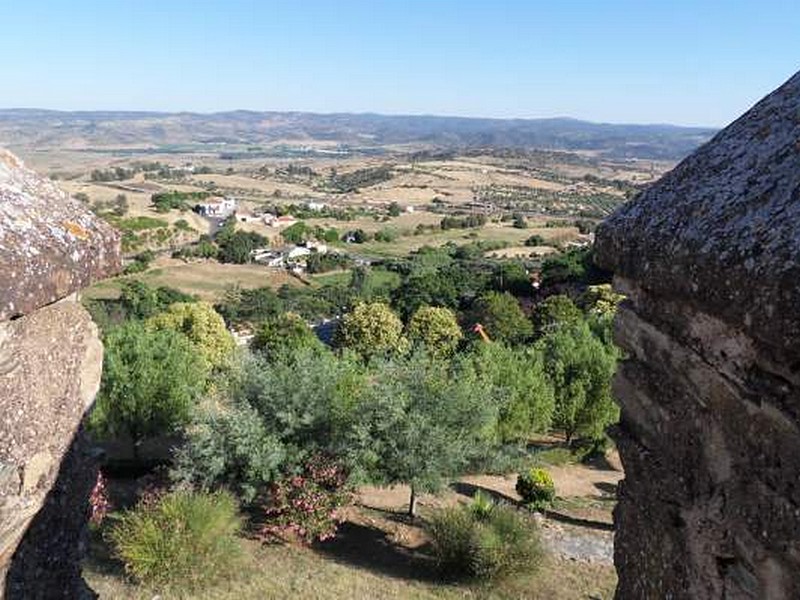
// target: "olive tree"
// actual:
[[422, 421]]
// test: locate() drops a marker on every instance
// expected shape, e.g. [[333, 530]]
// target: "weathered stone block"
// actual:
[[709, 434], [50, 367]]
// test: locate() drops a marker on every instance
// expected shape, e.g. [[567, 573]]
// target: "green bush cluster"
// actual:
[[183, 540], [483, 541], [536, 488]]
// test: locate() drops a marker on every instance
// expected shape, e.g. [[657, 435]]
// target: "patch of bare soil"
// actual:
[[578, 527]]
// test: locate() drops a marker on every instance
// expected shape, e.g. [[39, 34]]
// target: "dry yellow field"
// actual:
[[207, 280]]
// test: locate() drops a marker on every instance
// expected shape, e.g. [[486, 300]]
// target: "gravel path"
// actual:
[[577, 543]]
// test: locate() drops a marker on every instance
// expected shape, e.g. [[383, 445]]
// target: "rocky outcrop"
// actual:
[[50, 366], [709, 258]]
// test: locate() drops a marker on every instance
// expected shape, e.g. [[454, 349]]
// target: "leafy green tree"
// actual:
[[371, 329], [555, 311], [236, 248], [573, 266], [435, 328], [229, 447], [249, 306], [601, 299], [306, 400], [297, 233], [502, 318], [511, 276], [535, 240], [527, 399], [204, 328], [394, 209], [519, 221], [279, 414], [330, 235], [141, 301], [226, 230], [422, 421], [427, 289], [284, 334], [580, 367], [150, 380]]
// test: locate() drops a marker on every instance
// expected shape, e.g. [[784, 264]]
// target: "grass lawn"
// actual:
[[378, 553], [379, 278], [277, 572]]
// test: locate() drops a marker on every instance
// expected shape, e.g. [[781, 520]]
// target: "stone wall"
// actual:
[[709, 258], [50, 366]]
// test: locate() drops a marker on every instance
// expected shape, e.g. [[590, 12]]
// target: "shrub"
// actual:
[[307, 505], [481, 505], [504, 543], [451, 536], [231, 448], [483, 541], [151, 379], [182, 540], [536, 488]]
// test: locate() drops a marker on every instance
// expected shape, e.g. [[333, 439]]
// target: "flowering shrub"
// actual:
[[307, 506], [99, 504], [536, 488]]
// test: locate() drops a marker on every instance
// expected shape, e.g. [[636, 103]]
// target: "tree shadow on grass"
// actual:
[[608, 489], [470, 489], [395, 516], [370, 548], [600, 462]]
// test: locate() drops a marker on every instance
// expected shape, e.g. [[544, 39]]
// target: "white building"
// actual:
[[246, 216], [297, 252], [318, 247], [216, 207]]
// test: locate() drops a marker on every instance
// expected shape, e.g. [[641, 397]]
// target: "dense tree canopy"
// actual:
[[249, 306], [204, 328], [282, 335], [526, 398], [150, 380], [502, 318], [580, 366], [372, 329], [555, 311], [436, 328]]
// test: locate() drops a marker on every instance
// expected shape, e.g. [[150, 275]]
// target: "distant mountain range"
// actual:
[[110, 129]]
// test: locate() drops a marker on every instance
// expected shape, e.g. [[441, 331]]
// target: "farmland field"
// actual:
[[398, 199], [207, 280]]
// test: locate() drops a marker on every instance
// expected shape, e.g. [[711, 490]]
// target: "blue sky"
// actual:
[[668, 61]]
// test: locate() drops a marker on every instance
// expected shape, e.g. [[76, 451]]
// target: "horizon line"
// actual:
[[357, 114]]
